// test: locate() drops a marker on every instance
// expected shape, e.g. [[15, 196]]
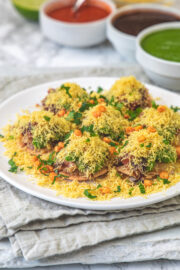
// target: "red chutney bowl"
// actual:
[[85, 28]]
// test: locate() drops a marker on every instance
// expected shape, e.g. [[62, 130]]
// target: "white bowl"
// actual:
[[124, 43], [162, 72], [73, 34]]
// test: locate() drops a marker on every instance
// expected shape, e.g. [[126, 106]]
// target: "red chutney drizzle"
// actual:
[[86, 13]]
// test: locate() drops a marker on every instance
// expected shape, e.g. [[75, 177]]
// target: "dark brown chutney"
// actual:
[[134, 21]]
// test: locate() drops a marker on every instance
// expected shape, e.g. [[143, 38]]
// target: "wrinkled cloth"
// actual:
[[35, 232]]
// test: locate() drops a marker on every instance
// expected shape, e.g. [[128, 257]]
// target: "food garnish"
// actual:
[[98, 145]]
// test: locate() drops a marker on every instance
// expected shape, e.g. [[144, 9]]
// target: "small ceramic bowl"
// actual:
[[73, 34], [124, 43], [164, 73]]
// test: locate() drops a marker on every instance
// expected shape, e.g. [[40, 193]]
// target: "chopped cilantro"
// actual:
[[66, 88], [134, 114], [47, 118], [98, 186], [62, 175], [51, 159], [154, 105], [44, 171], [126, 142], [113, 144], [149, 145], [13, 165], [1, 136], [74, 117], [165, 181], [69, 158], [130, 191], [115, 104], [68, 135], [111, 101], [166, 155], [58, 176], [22, 169], [85, 106], [142, 188], [121, 136], [150, 166], [89, 129], [118, 189], [54, 180], [95, 102], [119, 106], [118, 174], [142, 145], [87, 140], [66, 139], [102, 96], [37, 143], [97, 168], [175, 108], [165, 141], [30, 167], [70, 116], [88, 194], [11, 137], [99, 90], [66, 106]]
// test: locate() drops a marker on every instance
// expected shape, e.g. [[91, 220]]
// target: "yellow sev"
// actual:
[[67, 96], [74, 189], [128, 88], [44, 119], [92, 153], [166, 122], [146, 145], [110, 121], [44, 125]]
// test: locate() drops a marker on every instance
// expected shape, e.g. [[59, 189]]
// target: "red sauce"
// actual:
[[133, 22], [86, 13]]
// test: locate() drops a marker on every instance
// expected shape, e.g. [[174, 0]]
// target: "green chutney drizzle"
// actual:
[[164, 44]]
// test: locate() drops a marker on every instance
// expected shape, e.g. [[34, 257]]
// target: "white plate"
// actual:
[[26, 100]]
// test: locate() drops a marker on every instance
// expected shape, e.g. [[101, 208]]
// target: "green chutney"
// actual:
[[164, 44]]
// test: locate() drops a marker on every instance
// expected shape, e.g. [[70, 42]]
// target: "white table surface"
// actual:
[[23, 46]]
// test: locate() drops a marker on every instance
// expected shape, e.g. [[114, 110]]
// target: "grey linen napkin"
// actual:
[[34, 232]]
